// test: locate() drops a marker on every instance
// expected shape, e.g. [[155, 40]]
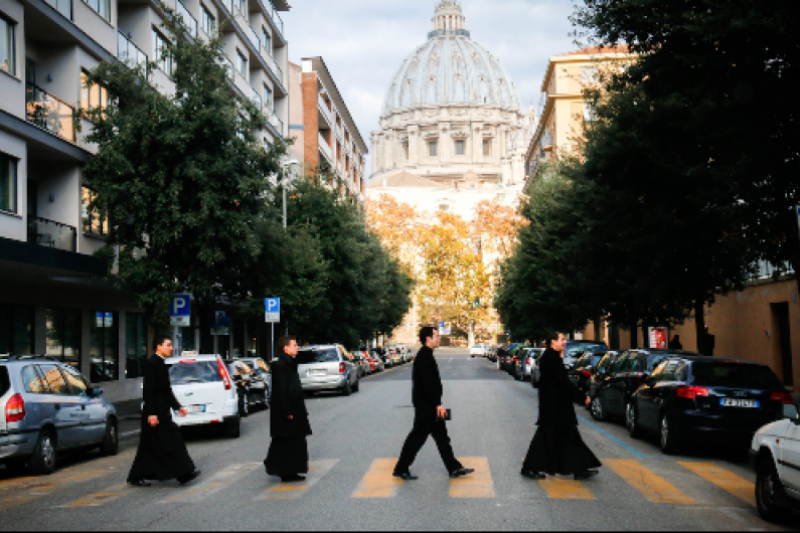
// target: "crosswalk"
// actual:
[[657, 483]]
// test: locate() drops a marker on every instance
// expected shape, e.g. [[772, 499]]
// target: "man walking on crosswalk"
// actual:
[[430, 414]]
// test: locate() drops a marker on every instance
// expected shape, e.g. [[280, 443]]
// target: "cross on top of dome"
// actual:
[[448, 17]]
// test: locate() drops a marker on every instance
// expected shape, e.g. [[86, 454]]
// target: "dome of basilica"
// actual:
[[450, 69]]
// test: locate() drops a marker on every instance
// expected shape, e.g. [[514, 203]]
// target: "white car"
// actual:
[[775, 456], [477, 351], [203, 386]]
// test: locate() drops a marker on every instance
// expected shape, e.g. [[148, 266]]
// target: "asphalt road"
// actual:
[[355, 444]]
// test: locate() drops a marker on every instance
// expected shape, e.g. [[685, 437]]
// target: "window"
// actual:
[[432, 148], [94, 221], [135, 349], [31, 381], [242, 5], [589, 112], [103, 7], [207, 21], [103, 345], [93, 95], [54, 380], [487, 147], [241, 63], [8, 184], [8, 61], [316, 355], [459, 147], [162, 56], [63, 331], [16, 329], [268, 97], [590, 75], [266, 38], [75, 380]]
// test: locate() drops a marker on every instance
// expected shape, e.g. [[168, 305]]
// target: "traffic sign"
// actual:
[[219, 325], [180, 311], [272, 310]]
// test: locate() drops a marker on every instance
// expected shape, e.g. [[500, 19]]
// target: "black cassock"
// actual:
[[288, 452], [162, 454], [557, 446]]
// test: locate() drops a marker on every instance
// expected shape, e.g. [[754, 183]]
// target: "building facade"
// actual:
[[325, 135], [51, 299]]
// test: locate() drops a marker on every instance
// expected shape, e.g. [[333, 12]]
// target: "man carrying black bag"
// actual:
[[430, 414]]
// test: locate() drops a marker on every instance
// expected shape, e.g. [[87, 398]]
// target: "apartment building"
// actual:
[[326, 136], [561, 120], [51, 299]]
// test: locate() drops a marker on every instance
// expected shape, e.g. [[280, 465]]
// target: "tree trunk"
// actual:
[[700, 326], [634, 335], [471, 339]]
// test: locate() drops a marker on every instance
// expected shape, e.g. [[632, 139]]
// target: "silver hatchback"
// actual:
[[327, 368]]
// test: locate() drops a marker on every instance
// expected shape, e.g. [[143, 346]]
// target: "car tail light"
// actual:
[[586, 373], [528, 361], [223, 372], [784, 397], [15, 409], [342, 368], [690, 393]]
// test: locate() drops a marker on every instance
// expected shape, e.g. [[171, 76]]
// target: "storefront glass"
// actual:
[[103, 346], [16, 329], [64, 335], [135, 345]]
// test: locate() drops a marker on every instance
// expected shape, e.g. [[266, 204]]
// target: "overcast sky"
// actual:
[[364, 42]]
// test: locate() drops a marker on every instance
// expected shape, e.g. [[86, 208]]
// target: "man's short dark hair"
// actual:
[[425, 334], [551, 336], [159, 339], [283, 342]]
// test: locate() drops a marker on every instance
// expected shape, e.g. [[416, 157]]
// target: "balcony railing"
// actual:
[[256, 99], [252, 36], [278, 123], [49, 112], [52, 234], [187, 17], [227, 64], [325, 148], [273, 65], [324, 109], [228, 5], [270, 10], [62, 6], [129, 53]]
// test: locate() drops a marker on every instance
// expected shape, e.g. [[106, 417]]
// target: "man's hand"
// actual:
[[182, 411], [290, 417], [152, 420], [588, 401], [441, 412]]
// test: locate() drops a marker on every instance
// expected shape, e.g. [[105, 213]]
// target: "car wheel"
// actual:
[[233, 430], [596, 409], [669, 441], [346, 390], [43, 461], [631, 421], [357, 386], [245, 405], [769, 492], [110, 444], [265, 400]]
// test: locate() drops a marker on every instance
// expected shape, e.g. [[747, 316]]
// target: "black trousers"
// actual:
[[423, 428]]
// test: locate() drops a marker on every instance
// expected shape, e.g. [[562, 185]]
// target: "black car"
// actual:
[[628, 373], [584, 369], [574, 349], [600, 372], [251, 388], [690, 400]]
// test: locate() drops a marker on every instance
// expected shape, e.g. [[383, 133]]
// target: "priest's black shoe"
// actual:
[[139, 483], [532, 475], [183, 480], [292, 479], [588, 474], [459, 472], [405, 476]]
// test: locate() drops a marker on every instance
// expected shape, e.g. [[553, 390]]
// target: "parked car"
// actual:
[[327, 368], [361, 364], [627, 374], [491, 354], [499, 354], [397, 359], [574, 349], [505, 357], [525, 357], [584, 368], [48, 407], [515, 355], [478, 350], [600, 372], [251, 388], [775, 457], [384, 359], [205, 388], [261, 368], [377, 362], [696, 399]]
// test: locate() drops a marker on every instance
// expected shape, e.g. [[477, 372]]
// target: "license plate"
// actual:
[[731, 402], [316, 373], [195, 409]]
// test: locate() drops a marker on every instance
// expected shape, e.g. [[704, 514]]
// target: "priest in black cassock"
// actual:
[[288, 452], [162, 454], [557, 446]]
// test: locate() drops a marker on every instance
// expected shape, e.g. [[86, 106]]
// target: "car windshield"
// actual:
[[197, 372], [572, 350], [4, 382], [737, 375], [317, 355]]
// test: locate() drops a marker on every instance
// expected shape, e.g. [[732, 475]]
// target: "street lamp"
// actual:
[[286, 165]]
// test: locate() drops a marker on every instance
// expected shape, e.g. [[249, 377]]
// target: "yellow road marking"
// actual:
[[15, 481], [378, 482], [316, 471], [563, 489], [37, 487], [479, 484], [101, 498], [217, 482], [651, 485], [724, 479]]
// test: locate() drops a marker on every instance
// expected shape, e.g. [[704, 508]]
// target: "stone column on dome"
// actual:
[[413, 146], [477, 143]]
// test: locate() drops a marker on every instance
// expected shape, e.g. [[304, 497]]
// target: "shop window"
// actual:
[[8, 51], [104, 347], [63, 331], [459, 147], [103, 7], [135, 345], [93, 220], [16, 329], [8, 184]]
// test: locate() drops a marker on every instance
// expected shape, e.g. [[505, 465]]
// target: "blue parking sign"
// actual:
[[272, 309], [180, 311]]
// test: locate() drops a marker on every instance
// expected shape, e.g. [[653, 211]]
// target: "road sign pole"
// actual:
[[273, 339]]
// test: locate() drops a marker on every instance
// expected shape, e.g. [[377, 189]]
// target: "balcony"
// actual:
[[277, 123], [270, 10], [62, 6], [129, 53], [252, 36], [228, 5], [50, 113], [227, 64], [273, 65], [52, 234], [324, 110], [325, 148], [187, 17], [256, 99]]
